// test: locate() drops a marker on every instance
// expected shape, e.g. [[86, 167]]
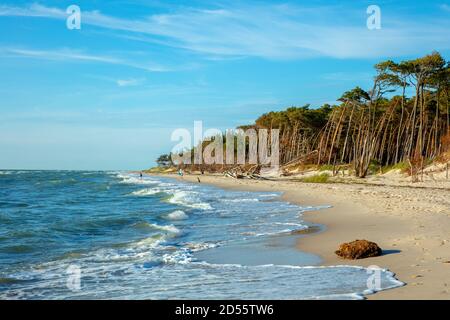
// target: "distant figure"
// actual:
[[180, 172], [140, 175], [198, 180]]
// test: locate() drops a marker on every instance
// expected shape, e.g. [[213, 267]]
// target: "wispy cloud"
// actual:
[[129, 82], [33, 10], [445, 7], [66, 54], [268, 31], [62, 54], [121, 82]]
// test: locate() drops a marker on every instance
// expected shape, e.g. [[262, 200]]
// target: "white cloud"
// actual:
[[129, 82], [62, 54], [269, 31], [34, 10], [122, 82], [66, 54]]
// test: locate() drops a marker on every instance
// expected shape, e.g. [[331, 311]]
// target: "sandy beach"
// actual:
[[410, 224]]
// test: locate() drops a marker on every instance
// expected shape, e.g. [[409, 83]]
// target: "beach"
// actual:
[[409, 223], [117, 235], [168, 237]]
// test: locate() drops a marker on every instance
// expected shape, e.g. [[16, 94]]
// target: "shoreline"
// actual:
[[411, 226]]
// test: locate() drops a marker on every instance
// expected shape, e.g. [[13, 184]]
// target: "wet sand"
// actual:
[[411, 225]]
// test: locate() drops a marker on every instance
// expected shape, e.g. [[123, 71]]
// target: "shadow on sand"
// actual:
[[388, 252]]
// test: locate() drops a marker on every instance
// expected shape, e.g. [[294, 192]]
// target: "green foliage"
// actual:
[[357, 94], [326, 167], [318, 178], [164, 160], [307, 118], [374, 166], [403, 166]]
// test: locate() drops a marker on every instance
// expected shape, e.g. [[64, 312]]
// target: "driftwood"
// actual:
[[233, 175], [239, 172], [257, 177], [299, 160]]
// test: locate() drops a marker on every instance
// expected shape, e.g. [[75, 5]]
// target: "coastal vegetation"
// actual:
[[164, 161], [401, 122], [318, 178]]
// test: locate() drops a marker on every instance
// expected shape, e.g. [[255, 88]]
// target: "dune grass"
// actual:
[[318, 178]]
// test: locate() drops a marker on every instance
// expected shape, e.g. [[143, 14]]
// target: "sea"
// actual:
[[114, 235]]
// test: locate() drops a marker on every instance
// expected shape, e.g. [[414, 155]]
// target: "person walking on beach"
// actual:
[[180, 172]]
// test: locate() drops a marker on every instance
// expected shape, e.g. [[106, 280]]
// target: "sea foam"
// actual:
[[188, 199], [146, 192], [177, 215]]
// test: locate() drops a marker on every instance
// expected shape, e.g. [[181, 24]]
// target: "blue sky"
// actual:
[[109, 95]]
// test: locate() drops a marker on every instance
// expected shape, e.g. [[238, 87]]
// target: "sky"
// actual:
[[108, 96]]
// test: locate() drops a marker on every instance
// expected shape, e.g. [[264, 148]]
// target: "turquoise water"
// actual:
[[156, 238]]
